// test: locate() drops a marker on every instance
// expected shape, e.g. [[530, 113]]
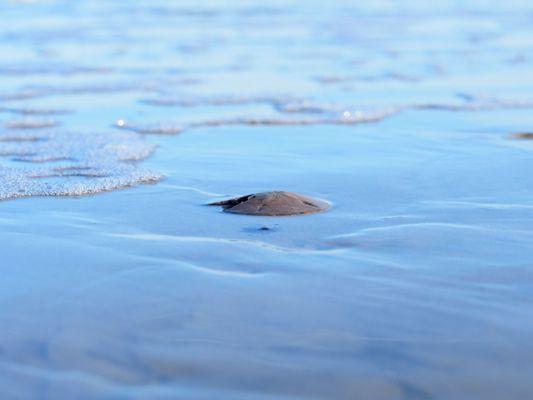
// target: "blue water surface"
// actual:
[[417, 284]]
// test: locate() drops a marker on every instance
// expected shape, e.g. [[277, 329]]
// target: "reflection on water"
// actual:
[[412, 118]]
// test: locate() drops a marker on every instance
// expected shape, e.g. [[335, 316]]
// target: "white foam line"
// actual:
[[415, 225], [193, 189], [221, 272], [159, 237], [483, 205]]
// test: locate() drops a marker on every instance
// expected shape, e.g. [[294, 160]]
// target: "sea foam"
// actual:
[[39, 163]]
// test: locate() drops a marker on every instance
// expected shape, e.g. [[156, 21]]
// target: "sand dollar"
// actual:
[[272, 204]]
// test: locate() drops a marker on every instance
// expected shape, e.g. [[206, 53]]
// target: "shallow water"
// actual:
[[417, 284]]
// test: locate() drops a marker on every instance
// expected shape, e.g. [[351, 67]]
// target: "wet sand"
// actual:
[[119, 283]]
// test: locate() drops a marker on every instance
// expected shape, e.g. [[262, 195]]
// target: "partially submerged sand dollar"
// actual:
[[522, 135], [276, 203]]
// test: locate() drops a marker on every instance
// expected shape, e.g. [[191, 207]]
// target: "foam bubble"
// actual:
[[474, 103], [154, 129], [38, 91], [467, 103], [308, 112], [30, 123], [220, 100], [346, 118], [51, 69], [90, 163], [35, 111]]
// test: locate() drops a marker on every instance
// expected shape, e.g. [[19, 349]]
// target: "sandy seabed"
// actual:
[[416, 284]]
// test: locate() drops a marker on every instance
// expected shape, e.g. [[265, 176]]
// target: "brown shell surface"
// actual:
[[273, 204], [522, 135]]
